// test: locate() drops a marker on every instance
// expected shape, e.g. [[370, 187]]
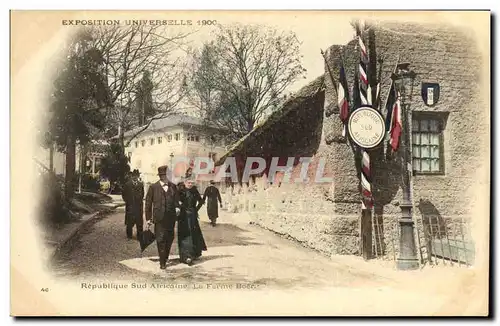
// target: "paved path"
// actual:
[[239, 253]]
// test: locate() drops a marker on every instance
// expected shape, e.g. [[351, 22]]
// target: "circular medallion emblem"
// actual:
[[366, 127]]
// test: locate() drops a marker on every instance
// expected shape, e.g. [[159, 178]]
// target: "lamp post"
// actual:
[[171, 161], [407, 259]]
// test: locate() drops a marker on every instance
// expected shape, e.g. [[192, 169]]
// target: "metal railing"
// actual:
[[443, 241]]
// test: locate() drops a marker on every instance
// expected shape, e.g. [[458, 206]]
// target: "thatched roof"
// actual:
[[297, 101]]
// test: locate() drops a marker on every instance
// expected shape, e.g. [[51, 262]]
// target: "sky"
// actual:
[[317, 31], [34, 49], [40, 36]]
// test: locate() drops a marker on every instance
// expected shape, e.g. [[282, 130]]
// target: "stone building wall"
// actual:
[[449, 57], [326, 217]]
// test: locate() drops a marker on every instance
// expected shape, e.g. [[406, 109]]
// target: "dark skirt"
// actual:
[[190, 238], [212, 209]]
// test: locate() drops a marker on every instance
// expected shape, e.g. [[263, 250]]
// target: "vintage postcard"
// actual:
[[250, 163]]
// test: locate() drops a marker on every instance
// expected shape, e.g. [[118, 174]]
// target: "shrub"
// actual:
[[53, 208], [114, 166], [89, 183]]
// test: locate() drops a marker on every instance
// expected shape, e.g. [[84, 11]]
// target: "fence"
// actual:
[[439, 241]]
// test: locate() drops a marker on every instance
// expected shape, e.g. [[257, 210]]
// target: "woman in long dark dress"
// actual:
[[190, 238]]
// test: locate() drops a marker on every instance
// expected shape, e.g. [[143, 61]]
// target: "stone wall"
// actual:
[[325, 217]]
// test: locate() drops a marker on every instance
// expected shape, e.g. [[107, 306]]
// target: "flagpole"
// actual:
[[392, 81], [329, 70], [344, 125], [345, 134], [386, 138], [366, 225]]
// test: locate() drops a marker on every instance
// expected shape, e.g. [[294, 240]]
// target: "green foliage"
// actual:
[[144, 98], [114, 165], [80, 97], [89, 183], [53, 207]]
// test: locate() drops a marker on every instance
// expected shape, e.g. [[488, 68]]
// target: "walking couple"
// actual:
[[165, 204]]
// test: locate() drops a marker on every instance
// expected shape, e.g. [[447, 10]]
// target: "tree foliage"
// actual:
[[143, 72], [80, 98], [79, 101], [53, 208], [144, 99], [242, 75]]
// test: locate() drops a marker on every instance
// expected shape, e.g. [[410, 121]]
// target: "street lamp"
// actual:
[[407, 259]]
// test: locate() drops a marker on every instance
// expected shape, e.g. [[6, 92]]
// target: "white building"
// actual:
[[168, 138]]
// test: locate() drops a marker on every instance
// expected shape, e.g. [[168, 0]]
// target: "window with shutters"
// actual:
[[143, 142], [427, 143], [177, 136], [159, 140], [152, 141], [169, 137]]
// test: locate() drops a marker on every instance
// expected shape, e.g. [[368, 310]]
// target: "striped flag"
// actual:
[[343, 95], [393, 123]]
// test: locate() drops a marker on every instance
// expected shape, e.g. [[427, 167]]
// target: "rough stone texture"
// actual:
[[326, 216], [440, 54]]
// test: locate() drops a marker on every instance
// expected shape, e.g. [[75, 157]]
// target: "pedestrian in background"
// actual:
[[126, 178], [213, 196], [133, 195]]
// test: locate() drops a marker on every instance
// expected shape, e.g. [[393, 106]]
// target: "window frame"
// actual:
[[143, 143], [169, 138], [177, 136], [193, 138], [159, 140], [151, 141], [441, 119]]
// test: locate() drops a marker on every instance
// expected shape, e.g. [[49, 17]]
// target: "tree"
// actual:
[[242, 75], [79, 101], [144, 99], [142, 66], [114, 165]]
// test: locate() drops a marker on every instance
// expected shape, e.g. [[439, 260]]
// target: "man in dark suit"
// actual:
[[133, 195], [162, 208]]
